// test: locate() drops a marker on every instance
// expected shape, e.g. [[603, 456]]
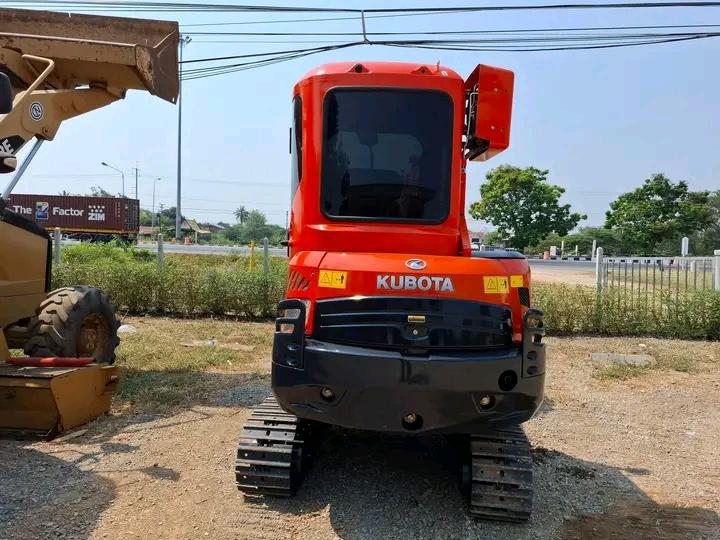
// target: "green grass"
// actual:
[[670, 356], [159, 371], [620, 372]]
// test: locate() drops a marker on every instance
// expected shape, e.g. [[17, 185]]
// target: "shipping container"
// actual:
[[83, 218]]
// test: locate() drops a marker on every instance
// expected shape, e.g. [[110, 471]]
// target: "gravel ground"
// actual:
[[568, 276], [612, 458]]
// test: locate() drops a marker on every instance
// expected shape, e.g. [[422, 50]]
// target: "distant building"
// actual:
[[476, 238], [191, 227], [213, 228], [188, 227]]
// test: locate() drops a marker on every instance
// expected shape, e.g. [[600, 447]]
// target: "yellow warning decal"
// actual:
[[496, 284], [516, 281], [332, 279]]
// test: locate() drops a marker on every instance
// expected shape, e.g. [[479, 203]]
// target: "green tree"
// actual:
[[658, 213], [97, 191], [707, 241], [523, 206], [255, 226], [241, 214], [608, 239], [145, 217], [254, 229], [168, 215]]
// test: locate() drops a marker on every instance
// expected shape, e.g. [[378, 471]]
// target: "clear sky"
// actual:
[[600, 121]]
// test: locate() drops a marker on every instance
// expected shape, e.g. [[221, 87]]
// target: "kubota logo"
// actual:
[[416, 264], [415, 283]]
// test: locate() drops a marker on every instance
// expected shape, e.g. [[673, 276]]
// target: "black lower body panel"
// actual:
[[381, 390]]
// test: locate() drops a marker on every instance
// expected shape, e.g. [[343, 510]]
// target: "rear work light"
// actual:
[[293, 315], [290, 332]]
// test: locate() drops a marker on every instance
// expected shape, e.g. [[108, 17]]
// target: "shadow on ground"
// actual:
[[70, 507], [181, 389], [377, 486], [164, 394]]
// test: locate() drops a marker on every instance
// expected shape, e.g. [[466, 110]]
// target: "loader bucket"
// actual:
[[43, 402], [116, 53]]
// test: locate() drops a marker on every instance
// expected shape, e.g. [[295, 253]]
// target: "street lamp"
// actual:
[[184, 41], [153, 205], [122, 175]]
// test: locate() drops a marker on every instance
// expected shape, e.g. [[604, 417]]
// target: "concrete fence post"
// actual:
[[266, 258], [716, 270], [684, 246], [57, 239], [599, 269], [160, 253], [592, 252], [598, 287]]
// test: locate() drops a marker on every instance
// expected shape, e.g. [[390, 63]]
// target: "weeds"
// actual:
[[578, 309], [620, 372]]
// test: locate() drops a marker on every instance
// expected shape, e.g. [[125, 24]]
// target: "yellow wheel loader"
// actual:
[[55, 66]]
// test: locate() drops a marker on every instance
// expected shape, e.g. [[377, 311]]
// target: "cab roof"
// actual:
[[387, 68]]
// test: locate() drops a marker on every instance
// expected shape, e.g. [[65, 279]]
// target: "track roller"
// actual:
[[273, 451]]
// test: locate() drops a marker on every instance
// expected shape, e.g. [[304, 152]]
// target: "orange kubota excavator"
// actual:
[[391, 322], [55, 66]]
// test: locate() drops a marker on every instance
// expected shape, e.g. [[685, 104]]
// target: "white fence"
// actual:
[[657, 274]]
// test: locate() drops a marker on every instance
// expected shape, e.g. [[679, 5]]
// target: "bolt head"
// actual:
[[486, 401]]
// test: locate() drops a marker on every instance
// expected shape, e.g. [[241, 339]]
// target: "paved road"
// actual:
[[554, 266], [210, 250], [567, 266]]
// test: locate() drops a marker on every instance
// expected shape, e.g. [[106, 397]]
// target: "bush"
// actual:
[[618, 312], [202, 285], [188, 285]]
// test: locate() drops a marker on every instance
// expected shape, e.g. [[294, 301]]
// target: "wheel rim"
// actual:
[[93, 337]]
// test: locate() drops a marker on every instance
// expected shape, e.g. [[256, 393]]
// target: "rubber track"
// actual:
[[270, 452], [501, 487]]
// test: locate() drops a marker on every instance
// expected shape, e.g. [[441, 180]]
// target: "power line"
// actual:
[[454, 32], [504, 44], [321, 19], [109, 5], [264, 41]]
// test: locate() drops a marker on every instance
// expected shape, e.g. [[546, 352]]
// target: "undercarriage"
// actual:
[[479, 399]]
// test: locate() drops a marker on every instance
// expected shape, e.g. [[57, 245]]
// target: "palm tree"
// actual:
[[241, 214]]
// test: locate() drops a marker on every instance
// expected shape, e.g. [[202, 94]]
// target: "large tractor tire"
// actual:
[[74, 322]]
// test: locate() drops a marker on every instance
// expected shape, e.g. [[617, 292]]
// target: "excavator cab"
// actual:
[[53, 67]]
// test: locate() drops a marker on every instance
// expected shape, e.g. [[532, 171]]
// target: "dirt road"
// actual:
[[613, 458], [567, 273]]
